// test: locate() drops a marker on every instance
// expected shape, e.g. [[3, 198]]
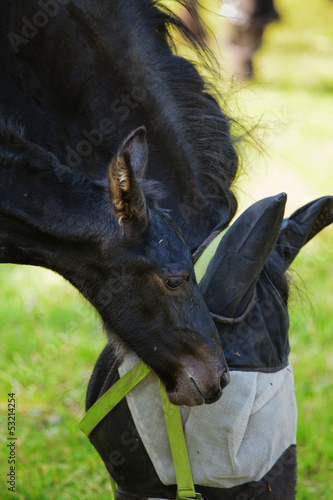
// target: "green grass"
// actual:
[[312, 358], [51, 337], [50, 341], [291, 97]]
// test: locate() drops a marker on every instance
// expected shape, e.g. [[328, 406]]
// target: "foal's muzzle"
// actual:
[[199, 382]]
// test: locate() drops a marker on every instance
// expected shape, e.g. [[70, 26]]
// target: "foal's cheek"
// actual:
[[154, 311], [148, 311]]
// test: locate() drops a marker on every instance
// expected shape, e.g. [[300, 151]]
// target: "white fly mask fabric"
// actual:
[[233, 441]]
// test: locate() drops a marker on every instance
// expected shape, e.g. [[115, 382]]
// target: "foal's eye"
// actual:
[[174, 283]]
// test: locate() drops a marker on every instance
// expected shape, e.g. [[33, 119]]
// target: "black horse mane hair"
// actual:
[[209, 128], [204, 134]]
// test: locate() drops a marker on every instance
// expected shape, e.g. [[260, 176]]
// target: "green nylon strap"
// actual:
[[181, 462], [201, 265], [106, 403], [101, 408], [113, 396]]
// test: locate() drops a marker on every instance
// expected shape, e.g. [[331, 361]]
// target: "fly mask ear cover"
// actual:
[[241, 255], [238, 269], [236, 272], [302, 226]]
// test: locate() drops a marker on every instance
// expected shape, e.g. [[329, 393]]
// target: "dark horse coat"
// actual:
[[81, 78]]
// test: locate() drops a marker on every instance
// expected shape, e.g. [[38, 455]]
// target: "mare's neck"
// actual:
[[46, 210], [98, 70]]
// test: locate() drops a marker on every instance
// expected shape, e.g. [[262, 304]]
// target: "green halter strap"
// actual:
[[201, 265], [103, 406]]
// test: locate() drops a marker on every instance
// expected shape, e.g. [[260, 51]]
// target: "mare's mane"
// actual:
[[202, 129]]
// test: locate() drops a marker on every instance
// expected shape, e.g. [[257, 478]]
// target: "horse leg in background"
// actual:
[[248, 19]]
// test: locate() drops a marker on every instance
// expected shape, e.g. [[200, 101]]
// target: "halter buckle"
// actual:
[[197, 497]]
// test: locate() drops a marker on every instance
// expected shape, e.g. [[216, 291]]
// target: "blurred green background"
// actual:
[[51, 337]]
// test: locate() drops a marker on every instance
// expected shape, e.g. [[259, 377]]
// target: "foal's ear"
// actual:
[[126, 167]]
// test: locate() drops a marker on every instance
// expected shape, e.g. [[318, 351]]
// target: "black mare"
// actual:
[[81, 196]]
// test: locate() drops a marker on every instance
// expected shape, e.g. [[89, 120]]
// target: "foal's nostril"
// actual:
[[224, 380], [214, 397]]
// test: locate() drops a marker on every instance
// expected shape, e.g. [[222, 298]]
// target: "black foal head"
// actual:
[[148, 295], [127, 257]]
